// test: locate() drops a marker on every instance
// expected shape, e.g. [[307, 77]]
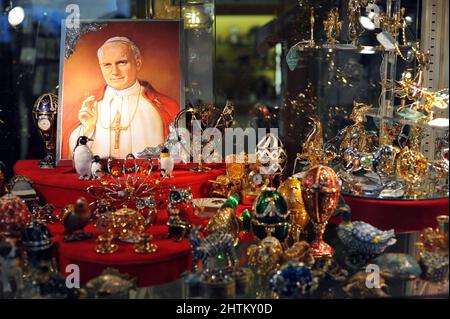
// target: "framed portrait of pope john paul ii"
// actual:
[[121, 85]]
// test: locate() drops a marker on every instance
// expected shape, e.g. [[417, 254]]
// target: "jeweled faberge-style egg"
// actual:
[[270, 214], [14, 215], [320, 193]]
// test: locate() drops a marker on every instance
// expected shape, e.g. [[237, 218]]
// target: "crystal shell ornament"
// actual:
[[14, 215], [320, 192], [270, 215]]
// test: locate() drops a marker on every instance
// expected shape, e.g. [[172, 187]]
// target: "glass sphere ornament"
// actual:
[[14, 215]]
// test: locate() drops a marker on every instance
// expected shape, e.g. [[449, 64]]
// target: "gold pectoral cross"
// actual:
[[115, 126]]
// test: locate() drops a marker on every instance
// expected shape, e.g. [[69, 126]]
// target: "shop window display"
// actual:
[[304, 156]]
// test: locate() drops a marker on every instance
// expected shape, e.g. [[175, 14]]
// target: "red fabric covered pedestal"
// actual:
[[60, 186], [401, 215], [165, 265]]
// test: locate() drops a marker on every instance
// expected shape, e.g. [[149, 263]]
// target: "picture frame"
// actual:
[[84, 80]]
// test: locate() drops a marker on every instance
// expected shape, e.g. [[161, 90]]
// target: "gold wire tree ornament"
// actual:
[[355, 30], [333, 26], [416, 102], [309, 43]]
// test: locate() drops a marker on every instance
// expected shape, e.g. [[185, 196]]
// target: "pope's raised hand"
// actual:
[[88, 115]]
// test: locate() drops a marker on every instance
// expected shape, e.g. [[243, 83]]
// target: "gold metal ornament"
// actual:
[[435, 240], [265, 257], [144, 246], [410, 88], [225, 220], [390, 133], [310, 43], [411, 167], [356, 287], [127, 225], [222, 186], [355, 30], [235, 170], [333, 26], [291, 190], [300, 251], [355, 135], [105, 244], [313, 150], [254, 184]]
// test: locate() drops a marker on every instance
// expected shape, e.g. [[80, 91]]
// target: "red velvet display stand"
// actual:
[[60, 186], [169, 261], [401, 215]]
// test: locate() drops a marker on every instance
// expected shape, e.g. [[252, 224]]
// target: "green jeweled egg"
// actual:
[[270, 215]]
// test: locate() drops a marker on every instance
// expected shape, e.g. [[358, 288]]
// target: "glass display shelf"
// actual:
[[363, 49], [373, 186], [404, 121], [259, 286]]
